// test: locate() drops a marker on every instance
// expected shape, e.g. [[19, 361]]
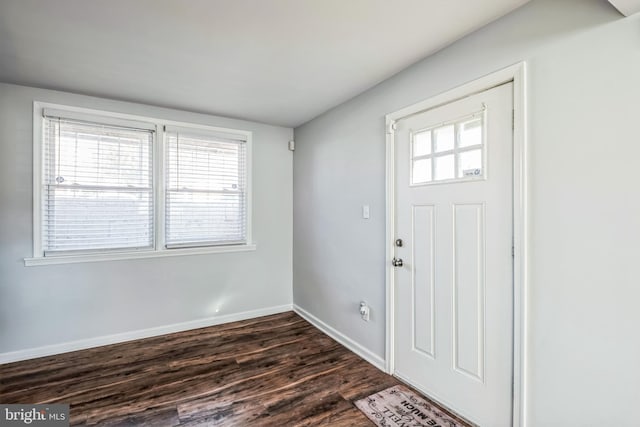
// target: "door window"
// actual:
[[452, 151]]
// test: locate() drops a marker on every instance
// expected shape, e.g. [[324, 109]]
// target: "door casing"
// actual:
[[516, 74]]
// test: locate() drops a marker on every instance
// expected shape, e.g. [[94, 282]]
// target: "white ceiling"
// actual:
[[274, 61]]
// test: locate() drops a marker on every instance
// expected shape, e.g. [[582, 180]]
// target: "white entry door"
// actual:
[[453, 308]]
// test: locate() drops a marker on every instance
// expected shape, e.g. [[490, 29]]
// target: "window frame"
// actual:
[[158, 248], [211, 137], [455, 151]]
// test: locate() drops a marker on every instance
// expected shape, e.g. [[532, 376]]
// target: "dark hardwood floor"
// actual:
[[270, 371]]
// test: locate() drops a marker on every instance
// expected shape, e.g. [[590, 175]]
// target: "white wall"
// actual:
[[584, 201], [49, 305]]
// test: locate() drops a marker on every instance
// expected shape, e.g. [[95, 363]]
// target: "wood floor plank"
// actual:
[[295, 379], [151, 417], [355, 382], [271, 371]]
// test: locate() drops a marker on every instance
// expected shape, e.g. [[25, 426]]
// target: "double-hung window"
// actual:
[[97, 187], [205, 188], [112, 186]]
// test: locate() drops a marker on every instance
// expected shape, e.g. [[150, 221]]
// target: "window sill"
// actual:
[[114, 256]]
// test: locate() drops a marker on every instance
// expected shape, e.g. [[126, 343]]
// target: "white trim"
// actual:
[[114, 256], [390, 245], [517, 74], [358, 349], [521, 244], [39, 105], [234, 137], [249, 190], [105, 119], [159, 176], [49, 350], [38, 136], [158, 160]]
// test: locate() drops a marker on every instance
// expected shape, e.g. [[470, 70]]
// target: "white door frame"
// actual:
[[516, 74]]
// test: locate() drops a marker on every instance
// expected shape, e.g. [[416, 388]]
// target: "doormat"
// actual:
[[399, 406]]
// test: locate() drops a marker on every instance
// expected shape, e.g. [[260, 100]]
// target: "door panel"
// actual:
[[423, 280], [468, 289], [453, 295]]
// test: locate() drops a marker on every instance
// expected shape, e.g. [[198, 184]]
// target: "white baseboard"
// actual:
[[361, 351], [50, 350]]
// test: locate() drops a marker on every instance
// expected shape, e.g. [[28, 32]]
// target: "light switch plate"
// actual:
[[365, 211]]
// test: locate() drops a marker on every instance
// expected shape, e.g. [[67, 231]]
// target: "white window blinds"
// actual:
[[205, 202], [97, 186]]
